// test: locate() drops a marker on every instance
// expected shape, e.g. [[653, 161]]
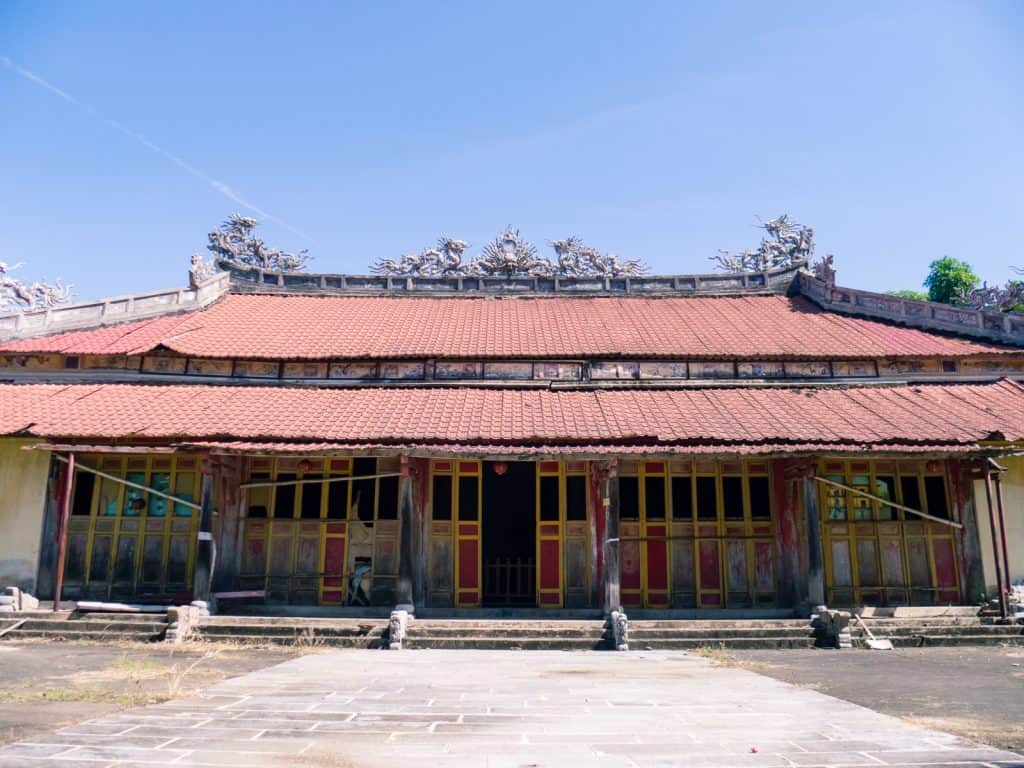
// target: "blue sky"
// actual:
[[656, 130]]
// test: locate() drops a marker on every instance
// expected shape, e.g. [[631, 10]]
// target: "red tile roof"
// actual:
[[953, 415], [353, 327]]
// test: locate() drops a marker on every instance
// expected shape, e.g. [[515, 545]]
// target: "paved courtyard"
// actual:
[[362, 709]]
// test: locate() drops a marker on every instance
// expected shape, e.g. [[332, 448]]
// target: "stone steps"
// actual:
[[711, 634], [504, 643], [954, 630], [923, 641], [111, 627], [762, 642], [760, 624], [499, 634], [341, 633], [376, 640]]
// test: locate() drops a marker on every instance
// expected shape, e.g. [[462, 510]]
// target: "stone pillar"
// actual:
[[203, 571], [405, 591], [815, 552], [610, 499]]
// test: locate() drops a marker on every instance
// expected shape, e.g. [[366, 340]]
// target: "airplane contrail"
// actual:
[[220, 186]]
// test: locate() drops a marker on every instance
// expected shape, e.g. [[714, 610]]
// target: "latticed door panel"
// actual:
[[124, 541], [876, 554]]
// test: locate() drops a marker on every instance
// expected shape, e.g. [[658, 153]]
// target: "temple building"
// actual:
[[662, 443]]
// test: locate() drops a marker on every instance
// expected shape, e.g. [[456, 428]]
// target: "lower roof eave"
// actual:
[[597, 452]]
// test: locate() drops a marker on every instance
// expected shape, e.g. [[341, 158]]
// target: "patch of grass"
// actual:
[[80, 694], [716, 654], [135, 666]]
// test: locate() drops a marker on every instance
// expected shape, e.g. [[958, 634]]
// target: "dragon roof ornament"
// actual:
[[16, 295], [788, 243], [510, 255]]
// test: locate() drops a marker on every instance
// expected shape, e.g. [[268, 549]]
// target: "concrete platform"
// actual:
[[366, 709]]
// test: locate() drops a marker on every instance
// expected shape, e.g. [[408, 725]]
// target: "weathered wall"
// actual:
[[1013, 506], [23, 482]]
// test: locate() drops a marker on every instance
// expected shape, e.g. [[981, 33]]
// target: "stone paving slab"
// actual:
[[371, 709]]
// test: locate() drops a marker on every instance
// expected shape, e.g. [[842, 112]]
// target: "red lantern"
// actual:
[[500, 468], [933, 466], [304, 466]]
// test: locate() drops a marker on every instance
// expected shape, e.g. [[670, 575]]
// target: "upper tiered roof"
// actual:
[[319, 317]]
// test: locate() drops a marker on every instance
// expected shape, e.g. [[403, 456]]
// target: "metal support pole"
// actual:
[[67, 479]]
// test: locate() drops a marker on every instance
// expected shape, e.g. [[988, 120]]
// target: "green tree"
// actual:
[[949, 279], [908, 294]]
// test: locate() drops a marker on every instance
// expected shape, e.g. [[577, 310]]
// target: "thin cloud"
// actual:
[[220, 186]]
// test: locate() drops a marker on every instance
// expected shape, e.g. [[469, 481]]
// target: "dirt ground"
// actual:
[[974, 692], [46, 685]]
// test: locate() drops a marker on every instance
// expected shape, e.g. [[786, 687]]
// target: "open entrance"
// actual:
[[509, 533]]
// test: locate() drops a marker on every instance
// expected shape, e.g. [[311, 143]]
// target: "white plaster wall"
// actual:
[[23, 477], [1013, 508]]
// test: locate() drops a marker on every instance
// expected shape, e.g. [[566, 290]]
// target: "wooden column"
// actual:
[[610, 500], [67, 480], [230, 530], [791, 564], [405, 593], [815, 551], [202, 573], [969, 547]]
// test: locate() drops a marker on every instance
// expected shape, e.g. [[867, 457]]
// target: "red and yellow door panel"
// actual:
[[549, 565], [468, 554]]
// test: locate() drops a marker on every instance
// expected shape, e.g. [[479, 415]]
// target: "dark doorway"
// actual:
[[510, 533]]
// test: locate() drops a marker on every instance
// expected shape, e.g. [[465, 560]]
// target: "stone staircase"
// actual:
[[509, 634], [292, 630], [690, 634], [72, 625], [909, 632], [905, 627]]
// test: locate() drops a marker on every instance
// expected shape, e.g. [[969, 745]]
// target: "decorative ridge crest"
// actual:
[[16, 295], [510, 255]]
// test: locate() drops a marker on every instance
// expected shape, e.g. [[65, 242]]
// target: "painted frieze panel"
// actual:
[[854, 368], [665, 369], [558, 371], [305, 370], [762, 370], [603, 370], [107, 362], [204, 367], [33, 362], [448, 369], [512, 370], [353, 371], [402, 370], [257, 369], [704, 369], [163, 364], [1009, 365], [909, 367], [808, 370]]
